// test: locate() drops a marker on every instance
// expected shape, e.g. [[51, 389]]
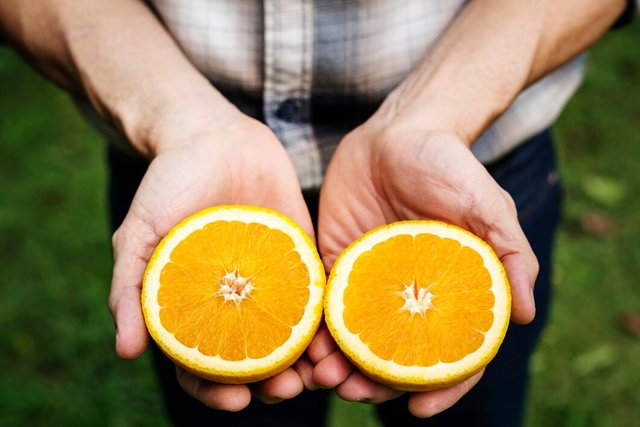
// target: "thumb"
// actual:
[[130, 260]]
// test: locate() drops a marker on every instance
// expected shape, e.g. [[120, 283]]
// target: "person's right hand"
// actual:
[[381, 175], [239, 161]]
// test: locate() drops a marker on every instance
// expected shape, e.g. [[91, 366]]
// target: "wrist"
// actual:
[[472, 73], [170, 121], [150, 105], [146, 89], [397, 117], [437, 103]]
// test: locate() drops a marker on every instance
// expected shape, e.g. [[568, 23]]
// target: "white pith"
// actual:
[[215, 364], [234, 287], [416, 301], [394, 372]]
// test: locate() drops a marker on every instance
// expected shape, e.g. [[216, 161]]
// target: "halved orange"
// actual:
[[418, 305], [234, 293]]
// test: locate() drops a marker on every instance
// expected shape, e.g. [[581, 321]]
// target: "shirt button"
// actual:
[[290, 110]]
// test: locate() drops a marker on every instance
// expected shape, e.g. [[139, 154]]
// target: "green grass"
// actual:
[[57, 355], [586, 370], [57, 335]]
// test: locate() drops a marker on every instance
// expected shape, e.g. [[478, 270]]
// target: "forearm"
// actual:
[[491, 52], [120, 56]]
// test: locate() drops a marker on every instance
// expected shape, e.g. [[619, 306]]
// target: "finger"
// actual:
[[226, 397], [304, 368], [124, 298], [521, 271], [509, 242], [359, 388], [285, 385], [429, 403], [332, 370], [322, 345]]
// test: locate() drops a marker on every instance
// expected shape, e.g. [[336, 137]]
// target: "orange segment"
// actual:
[[267, 331], [234, 293], [225, 241], [287, 307], [418, 304]]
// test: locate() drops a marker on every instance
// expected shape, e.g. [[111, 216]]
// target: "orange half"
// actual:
[[234, 293], [418, 305]]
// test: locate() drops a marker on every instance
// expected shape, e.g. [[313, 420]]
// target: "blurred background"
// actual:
[[56, 338]]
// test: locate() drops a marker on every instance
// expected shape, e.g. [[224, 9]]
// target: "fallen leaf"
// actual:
[[597, 224], [630, 323]]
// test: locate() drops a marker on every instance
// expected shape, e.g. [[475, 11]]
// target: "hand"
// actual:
[[237, 162], [383, 174]]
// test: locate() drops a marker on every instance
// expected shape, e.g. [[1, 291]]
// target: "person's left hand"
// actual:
[[383, 174], [199, 164]]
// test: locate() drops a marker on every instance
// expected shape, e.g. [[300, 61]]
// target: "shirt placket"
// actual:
[[288, 67]]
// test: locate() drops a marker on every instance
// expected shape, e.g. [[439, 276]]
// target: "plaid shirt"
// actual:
[[313, 70]]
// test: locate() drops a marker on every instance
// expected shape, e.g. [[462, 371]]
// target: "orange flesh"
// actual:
[[198, 315], [453, 322]]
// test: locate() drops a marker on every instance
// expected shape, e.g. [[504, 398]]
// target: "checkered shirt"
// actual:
[[313, 70]]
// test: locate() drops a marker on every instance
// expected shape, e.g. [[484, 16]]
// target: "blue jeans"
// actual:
[[529, 175]]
